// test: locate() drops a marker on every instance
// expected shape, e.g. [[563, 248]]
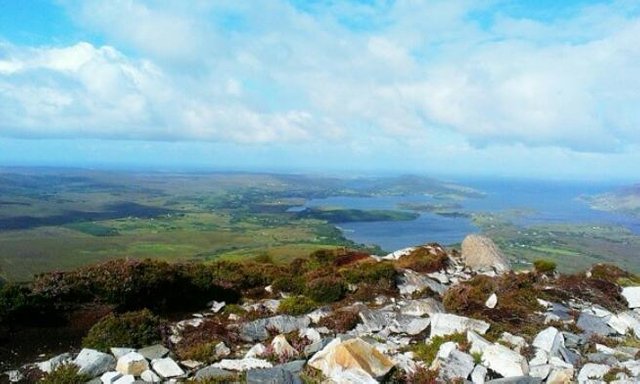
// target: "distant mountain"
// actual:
[[625, 200]]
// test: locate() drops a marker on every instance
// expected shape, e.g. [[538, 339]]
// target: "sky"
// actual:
[[539, 88]]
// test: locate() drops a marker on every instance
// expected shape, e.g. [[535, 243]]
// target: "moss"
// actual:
[[544, 266], [205, 353], [65, 374], [326, 289], [297, 305], [131, 329], [612, 374]]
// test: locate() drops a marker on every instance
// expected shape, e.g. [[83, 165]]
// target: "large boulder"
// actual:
[[353, 357], [632, 294], [443, 324], [94, 363], [504, 361], [480, 253], [132, 363]]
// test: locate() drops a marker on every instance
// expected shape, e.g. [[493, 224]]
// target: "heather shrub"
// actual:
[[130, 329], [297, 305], [422, 260], [544, 266], [340, 321], [289, 283], [326, 289], [200, 341], [18, 303], [65, 374], [372, 272]]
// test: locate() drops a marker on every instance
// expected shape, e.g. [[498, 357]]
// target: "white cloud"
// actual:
[[264, 72]]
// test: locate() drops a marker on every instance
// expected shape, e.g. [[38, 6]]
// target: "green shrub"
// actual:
[[297, 305], [326, 289], [544, 266], [427, 351], [340, 321], [290, 284], [205, 353], [370, 272], [19, 304], [131, 329], [422, 260], [65, 374]]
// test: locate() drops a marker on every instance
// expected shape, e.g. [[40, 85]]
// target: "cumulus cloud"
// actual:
[[339, 71]]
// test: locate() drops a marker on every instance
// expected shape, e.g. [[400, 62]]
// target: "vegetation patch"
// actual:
[[65, 374], [297, 305], [326, 289], [423, 260], [131, 329]]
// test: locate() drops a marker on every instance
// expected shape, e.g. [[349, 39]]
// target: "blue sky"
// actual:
[[463, 87]]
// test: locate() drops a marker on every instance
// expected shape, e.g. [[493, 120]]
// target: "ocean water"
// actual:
[[544, 203]]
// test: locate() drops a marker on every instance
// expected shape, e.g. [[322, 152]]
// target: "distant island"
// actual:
[[625, 200]]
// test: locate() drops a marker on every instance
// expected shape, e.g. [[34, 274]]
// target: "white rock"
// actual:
[[257, 350], [94, 363], [446, 349], [504, 361], [119, 352], [399, 253], [221, 350], [54, 362], [110, 377], [479, 374], [127, 379], [478, 343], [625, 321], [150, 377], [216, 306], [541, 357], [549, 340], [166, 368], [604, 349], [632, 294], [457, 365], [540, 371], [492, 301], [318, 315], [481, 253], [421, 307], [281, 347], [560, 376], [443, 324], [132, 363], [633, 366], [310, 334], [518, 342], [592, 371], [242, 365]]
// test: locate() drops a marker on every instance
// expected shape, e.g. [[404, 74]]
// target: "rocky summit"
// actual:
[[429, 316]]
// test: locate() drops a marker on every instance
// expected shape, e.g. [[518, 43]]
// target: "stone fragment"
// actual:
[[257, 330], [409, 325], [479, 374], [166, 368], [295, 366], [410, 282], [351, 358], [241, 365], [457, 365], [275, 375], [504, 361], [443, 324], [214, 373], [221, 350], [282, 348], [318, 314], [421, 307], [216, 306], [126, 379], [376, 320], [632, 294], [110, 377], [481, 253], [446, 349], [54, 362], [560, 376], [119, 352], [518, 342], [549, 340], [593, 325], [150, 377], [310, 334], [255, 351], [94, 363], [592, 371], [132, 363], [516, 380], [478, 343], [492, 301], [154, 352], [540, 371]]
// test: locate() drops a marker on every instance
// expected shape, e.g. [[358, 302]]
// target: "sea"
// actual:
[[536, 202]]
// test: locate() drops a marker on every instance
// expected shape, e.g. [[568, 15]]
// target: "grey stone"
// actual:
[[273, 375], [150, 377], [602, 358], [295, 366], [504, 361], [54, 362], [421, 307], [592, 371], [569, 356], [411, 325], [94, 363], [166, 368], [457, 365], [257, 330], [481, 253], [571, 340], [632, 294], [213, 372], [410, 282], [479, 374], [152, 352], [591, 325], [516, 380], [376, 320], [443, 324], [549, 340]]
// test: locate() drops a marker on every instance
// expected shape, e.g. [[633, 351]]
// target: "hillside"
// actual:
[[419, 315], [625, 200]]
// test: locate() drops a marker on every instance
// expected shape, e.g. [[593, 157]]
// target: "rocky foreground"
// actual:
[[473, 320]]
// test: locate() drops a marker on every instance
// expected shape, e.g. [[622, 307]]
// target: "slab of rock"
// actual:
[[481, 253], [295, 366], [241, 365], [150, 377], [94, 363], [54, 362], [443, 324], [479, 374], [166, 368], [505, 361], [132, 363], [152, 352], [592, 371], [549, 340], [409, 325], [119, 352], [214, 373], [275, 375], [255, 351], [110, 377], [281, 347], [126, 379], [591, 325], [257, 330], [221, 350], [632, 294], [457, 365], [376, 320], [478, 343], [492, 301], [516, 380], [421, 307], [560, 376], [410, 282], [351, 357]]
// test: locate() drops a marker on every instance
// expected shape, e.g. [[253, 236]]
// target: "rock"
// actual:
[[214, 373], [591, 325], [295, 366], [569, 356], [274, 375], [282, 348], [154, 352], [421, 307], [516, 380], [14, 376], [110, 377], [492, 301], [241, 365], [504, 361], [481, 253], [257, 330], [310, 334], [166, 368], [479, 374], [119, 352], [632, 294], [571, 340], [409, 325], [410, 282], [518, 342], [318, 314], [216, 306], [445, 349], [399, 253], [560, 376], [443, 324], [478, 343], [351, 358], [540, 371], [376, 320], [221, 350], [592, 371], [126, 379], [549, 340], [457, 365], [622, 322], [132, 363], [255, 351], [54, 362], [94, 363], [150, 377]]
